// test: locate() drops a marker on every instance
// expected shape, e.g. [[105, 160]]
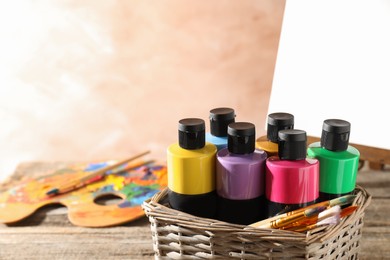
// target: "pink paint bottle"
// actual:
[[291, 179]]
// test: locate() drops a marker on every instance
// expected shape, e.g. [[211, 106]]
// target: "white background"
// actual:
[[334, 62]]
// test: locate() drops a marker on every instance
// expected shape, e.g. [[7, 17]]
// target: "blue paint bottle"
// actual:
[[220, 118]]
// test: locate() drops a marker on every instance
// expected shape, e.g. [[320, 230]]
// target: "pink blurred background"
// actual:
[[96, 80]]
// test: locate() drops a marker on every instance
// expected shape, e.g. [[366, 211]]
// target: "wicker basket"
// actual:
[[177, 235]]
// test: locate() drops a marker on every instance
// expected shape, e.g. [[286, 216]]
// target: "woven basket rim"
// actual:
[[154, 209]]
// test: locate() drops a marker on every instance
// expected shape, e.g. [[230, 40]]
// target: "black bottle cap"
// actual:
[[220, 118], [292, 144], [335, 135], [241, 138], [192, 133], [277, 122]]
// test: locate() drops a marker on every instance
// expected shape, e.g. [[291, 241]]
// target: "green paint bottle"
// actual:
[[339, 161]]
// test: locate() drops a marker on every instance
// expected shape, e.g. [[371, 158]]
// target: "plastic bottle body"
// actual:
[[290, 184], [338, 170], [219, 141], [240, 176], [191, 179], [240, 186], [271, 148]]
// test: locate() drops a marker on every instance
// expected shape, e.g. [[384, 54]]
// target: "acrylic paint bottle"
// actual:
[[220, 118], [275, 123], [191, 170], [339, 161], [291, 179], [240, 177]]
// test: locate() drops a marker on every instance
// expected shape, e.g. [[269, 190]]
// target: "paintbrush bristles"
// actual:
[[330, 212], [335, 219], [344, 200], [348, 211]]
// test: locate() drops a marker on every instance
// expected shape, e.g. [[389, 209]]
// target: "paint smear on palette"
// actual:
[[133, 185]]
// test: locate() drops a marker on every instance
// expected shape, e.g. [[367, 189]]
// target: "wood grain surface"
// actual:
[[49, 235]]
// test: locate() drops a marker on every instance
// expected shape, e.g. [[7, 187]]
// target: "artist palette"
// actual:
[[131, 184]]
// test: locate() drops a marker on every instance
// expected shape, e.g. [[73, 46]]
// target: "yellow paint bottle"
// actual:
[[191, 170]]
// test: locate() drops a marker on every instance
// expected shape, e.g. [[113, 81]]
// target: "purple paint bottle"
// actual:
[[241, 177]]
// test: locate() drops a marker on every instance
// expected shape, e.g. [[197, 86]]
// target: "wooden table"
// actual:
[[49, 235]]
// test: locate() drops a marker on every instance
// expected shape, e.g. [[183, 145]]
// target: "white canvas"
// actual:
[[334, 62]]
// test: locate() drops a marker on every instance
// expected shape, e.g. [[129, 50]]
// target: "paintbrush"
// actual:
[[332, 220], [90, 178], [344, 200], [328, 219], [348, 211], [329, 212], [285, 221]]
